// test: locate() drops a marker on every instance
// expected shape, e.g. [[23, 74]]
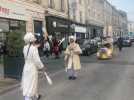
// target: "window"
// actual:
[[74, 17], [89, 12], [51, 4], [62, 5], [80, 16]]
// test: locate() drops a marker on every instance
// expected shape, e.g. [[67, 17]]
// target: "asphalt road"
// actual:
[[98, 80]]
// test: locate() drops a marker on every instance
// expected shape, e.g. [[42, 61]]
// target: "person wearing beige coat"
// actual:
[[72, 58]]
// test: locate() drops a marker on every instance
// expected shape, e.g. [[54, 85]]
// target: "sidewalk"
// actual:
[[52, 64], [7, 84]]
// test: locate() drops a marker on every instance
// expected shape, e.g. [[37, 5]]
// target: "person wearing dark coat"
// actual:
[[119, 43]]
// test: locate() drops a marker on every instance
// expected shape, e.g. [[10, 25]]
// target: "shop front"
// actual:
[[80, 32], [59, 28], [12, 30]]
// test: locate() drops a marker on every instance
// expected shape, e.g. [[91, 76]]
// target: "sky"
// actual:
[[126, 5]]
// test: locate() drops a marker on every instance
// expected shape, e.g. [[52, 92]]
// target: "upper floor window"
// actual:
[[62, 5], [80, 16], [51, 3]]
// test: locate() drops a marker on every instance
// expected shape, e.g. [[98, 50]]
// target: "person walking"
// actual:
[[56, 49], [29, 84], [119, 43], [46, 48], [72, 58]]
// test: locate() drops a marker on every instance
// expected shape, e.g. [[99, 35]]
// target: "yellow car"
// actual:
[[105, 52]]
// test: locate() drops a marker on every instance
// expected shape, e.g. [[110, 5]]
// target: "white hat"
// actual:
[[29, 37], [72, 37]]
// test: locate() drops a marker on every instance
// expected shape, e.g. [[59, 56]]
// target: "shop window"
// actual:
[[4, 25], [11, 36], [14, 38], [14, 24]]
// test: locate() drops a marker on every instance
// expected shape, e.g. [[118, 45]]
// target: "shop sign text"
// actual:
[[4, 10]]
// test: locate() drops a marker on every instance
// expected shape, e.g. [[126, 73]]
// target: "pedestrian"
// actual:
[[72, 58], [46, 48], [56, 49], [119, 43], [29, 84]]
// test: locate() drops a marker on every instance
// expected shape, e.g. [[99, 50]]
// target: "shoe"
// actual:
[[39, 97], [74, 78], [70, 77]]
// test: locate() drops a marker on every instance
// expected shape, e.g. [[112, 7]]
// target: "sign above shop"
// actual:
[[13, 11], [80, 29], [4, 10], [59, 25]]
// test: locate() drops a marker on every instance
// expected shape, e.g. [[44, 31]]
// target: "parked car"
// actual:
[[88, 47], [126, 42], [132, 38]]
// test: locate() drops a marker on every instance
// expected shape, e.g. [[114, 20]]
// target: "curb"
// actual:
[[9, 88]]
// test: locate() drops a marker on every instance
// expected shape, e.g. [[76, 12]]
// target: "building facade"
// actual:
[[57, 20], [131, 27], [108, 12], [94, 17], [123, 23], [77, 15]]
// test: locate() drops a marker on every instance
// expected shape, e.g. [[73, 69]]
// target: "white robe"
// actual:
[[29, 83]]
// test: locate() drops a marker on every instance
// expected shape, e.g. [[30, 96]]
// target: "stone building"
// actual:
[[131, 27], [95, 17]]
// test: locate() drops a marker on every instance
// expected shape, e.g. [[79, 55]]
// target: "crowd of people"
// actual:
[[52, 47], [33, 63]]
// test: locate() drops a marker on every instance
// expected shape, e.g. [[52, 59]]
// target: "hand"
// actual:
[[44, 69]]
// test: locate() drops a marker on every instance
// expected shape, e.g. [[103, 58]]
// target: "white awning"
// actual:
[[80, 29]]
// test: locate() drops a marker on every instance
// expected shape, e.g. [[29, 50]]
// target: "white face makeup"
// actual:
[[71, 40]]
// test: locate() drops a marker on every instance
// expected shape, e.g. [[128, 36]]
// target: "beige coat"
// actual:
[[72, 57]]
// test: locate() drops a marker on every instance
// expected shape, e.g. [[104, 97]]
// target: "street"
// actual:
[[98, 80]]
